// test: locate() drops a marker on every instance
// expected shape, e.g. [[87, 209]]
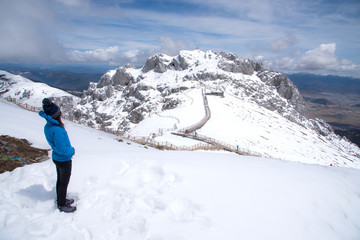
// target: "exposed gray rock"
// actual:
[[170, 103], [207, 76], [130, 105], [228, 56], [105, 80], [238, 66], [231, 63], [175, 64], [109, 91], [155, 63], [122, 77], [182, 62], [26, 94], [285, 87], [258, 67], [91, 89], [66, 104], [321, 127], [136, 116]]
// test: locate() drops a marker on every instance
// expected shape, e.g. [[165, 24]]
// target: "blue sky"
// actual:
[[317, 36]]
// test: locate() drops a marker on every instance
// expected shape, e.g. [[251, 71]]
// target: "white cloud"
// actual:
[[319, 58], [74, 3], [283, 43], [347, 65], [324, 58], [286, 62], [257, 10], [98, 55], [25, 34], [112, 32], [259, 58], [172, 47], [113, 55]]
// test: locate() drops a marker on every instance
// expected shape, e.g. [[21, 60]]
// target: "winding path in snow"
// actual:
[[203, 121]]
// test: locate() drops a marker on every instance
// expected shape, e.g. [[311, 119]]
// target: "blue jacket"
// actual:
[[58, 139]]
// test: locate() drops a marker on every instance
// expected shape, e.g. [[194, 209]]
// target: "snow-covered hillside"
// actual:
[[126, 191], [254, 128], [29, 92]]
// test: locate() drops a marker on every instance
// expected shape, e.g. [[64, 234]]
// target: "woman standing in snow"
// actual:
[[58, 139]]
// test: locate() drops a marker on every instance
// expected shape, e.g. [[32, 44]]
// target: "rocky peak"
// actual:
[[231, 63], [158, 63], [227, 62], [119, 76]]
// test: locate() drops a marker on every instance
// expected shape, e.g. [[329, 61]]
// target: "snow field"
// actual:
[[125, 191]]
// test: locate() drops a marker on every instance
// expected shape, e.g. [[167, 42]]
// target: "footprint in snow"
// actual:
[[183, 210]]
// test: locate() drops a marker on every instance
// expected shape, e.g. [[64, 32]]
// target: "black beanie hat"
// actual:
[[50, 108]]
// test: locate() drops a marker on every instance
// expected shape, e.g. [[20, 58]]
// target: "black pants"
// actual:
[[63, 170]]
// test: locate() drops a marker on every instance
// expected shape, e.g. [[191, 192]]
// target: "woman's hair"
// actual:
[[59, 120]]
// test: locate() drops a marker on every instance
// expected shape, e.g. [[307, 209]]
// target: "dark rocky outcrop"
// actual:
[[155, 63]]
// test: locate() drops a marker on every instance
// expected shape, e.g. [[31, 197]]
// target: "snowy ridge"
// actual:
[[29, 92], [126, 191]]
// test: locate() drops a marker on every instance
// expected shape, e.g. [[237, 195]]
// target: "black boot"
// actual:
[[67, 208], [68, 202]]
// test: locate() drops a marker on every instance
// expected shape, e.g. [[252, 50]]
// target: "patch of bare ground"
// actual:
[[16, 152]]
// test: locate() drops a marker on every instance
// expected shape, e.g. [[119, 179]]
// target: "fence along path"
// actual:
[[207, 143], [23, 105], [214, 144]]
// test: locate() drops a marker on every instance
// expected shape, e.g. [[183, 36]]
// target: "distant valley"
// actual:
[[334, 99], [66, 78]]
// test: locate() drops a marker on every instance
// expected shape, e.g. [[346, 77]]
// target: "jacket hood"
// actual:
[[48, 118]]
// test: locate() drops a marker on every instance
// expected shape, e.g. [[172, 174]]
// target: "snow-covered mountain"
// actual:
[[234, 101], [249, 106], [127, 95]]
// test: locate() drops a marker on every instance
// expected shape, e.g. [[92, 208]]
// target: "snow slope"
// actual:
[[244, 123], [126, 191]]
